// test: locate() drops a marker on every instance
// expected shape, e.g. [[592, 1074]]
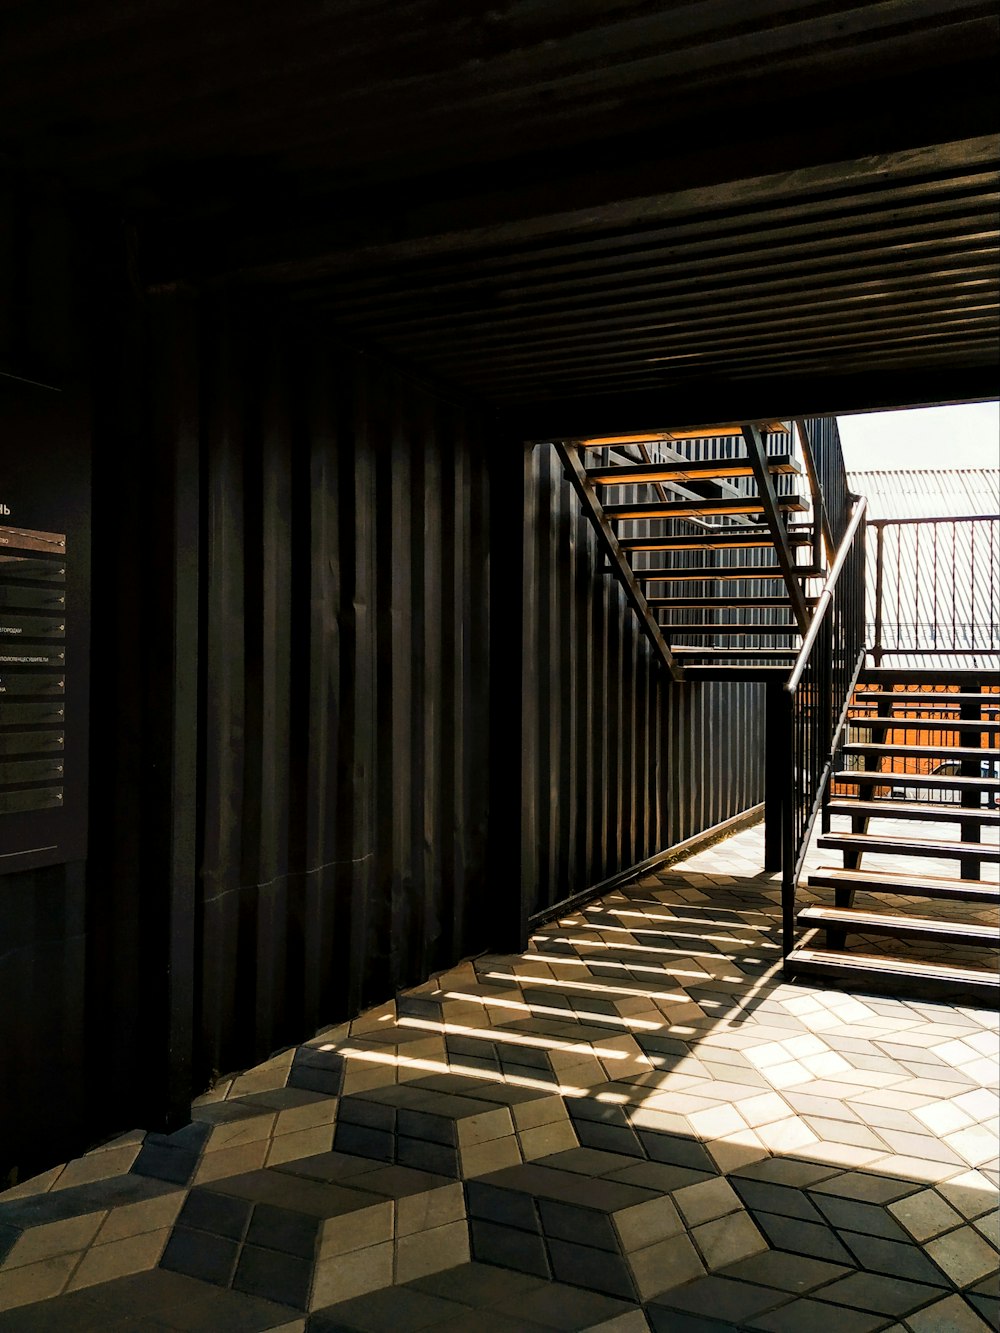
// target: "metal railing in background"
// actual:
[[934, 587], [819, 438], [810, 713]]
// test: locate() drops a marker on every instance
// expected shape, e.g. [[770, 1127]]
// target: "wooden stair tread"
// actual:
[[730, 630], [894, 923], [921, 751], [927, 676], [916, 886], [734, 539], [720, 603], [820, 961], [919, 699], [877, 842], [898, 723], [954, 782], [926, 810], [621, 513], [709, 469], [685, 651], [719, 672], [710, 573]]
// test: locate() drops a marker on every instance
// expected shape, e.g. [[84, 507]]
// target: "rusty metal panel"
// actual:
[[622, 762]]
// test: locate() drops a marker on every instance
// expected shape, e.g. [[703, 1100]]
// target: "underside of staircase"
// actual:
[[717, 537]]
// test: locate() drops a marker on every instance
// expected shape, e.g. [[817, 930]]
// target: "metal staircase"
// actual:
[[920, 740], [744, 555], [698, 527]]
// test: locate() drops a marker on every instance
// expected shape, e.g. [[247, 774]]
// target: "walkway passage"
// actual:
[[636, 1125]]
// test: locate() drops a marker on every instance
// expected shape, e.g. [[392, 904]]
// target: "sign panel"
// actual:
[[44, 637]]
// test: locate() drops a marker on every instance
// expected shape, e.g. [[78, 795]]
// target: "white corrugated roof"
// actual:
[[929, 492]]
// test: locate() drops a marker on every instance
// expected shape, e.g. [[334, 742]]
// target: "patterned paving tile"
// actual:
[[637, 1124]]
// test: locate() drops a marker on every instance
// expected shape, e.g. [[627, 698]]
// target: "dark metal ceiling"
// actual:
[[557, 204]]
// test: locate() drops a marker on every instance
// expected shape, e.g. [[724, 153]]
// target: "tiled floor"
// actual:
[[635, 1125]]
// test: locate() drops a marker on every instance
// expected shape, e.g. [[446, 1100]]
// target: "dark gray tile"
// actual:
[[391, 1310], [595, 1269], [432, 1128], [8, 1238], [435, 1157], [316, 1071], [198, 1254], [540, 1074], [606, 1113], [557, 1306], [364, 1142], [481, 1285], [803, 1316], [375, 1115], [583, 1225], [508, 1247], [663, 1320], [277, 1277], [164, 1162], [507, 1207], [61, 1314], [987, 1307], [790, 1272], [529, 1058], [792, 1233], [677, 1151], [854, 1215], [761, 1195], [227, 1312], [880, 1294], [488, 1321], [888, 1256], [868, 1186], [284, 1230], [608, 1138], [218, 1214], [723, 1298]]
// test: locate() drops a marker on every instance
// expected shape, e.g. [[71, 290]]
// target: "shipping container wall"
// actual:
[[621, 763], [345, 687]]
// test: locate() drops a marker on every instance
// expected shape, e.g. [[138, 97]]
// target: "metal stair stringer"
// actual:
[[585, 489]]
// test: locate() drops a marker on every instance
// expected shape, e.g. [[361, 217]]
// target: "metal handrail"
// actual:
[[813, 706], [825, 599]]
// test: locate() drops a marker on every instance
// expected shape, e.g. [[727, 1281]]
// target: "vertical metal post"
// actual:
[[970, 866], [879, 585], [784, 722], [777, 760]]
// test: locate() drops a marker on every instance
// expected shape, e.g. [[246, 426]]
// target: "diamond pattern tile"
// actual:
[[636, 1124]]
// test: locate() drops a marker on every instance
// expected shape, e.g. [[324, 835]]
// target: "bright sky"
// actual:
[[926, 437]]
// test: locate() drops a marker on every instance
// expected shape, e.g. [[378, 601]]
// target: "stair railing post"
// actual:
[[970, 867], [784, 724], [777, 754], [879, 590]]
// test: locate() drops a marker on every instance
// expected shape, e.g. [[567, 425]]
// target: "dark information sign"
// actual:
[[44, 636]]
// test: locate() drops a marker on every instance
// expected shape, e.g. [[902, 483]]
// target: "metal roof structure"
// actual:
[[928, 492], [589, 217]]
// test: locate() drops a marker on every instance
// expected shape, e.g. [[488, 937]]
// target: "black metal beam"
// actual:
[[780, 397], [770, 503], [591, 502]]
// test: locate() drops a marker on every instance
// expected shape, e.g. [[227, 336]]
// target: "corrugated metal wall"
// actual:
[[346, 687], [621, 762]]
